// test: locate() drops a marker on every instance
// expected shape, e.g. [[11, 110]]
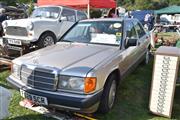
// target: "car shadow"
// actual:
[[31, 117]]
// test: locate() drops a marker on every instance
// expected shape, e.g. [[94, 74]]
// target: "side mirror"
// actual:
[[130, 42], [63, 19]]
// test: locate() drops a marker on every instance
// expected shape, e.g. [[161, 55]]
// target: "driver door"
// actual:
[[129, 53], [142, 41], [67, 19]]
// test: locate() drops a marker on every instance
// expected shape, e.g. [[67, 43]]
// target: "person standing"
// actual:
[[151, 21], [3, 17], [146, 22]]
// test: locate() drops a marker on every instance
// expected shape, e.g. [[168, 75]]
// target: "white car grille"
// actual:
[[17, 31]]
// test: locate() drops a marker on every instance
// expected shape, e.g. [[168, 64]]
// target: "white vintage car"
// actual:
[[46, 25], [82, 71]]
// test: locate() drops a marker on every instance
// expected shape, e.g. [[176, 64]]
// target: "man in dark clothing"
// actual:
[[2, 18], [151, 21], [2, 15]]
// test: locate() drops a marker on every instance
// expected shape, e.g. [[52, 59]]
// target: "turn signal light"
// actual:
[[89, 84]]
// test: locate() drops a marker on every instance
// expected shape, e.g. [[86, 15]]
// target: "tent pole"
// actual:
[[88, 9]]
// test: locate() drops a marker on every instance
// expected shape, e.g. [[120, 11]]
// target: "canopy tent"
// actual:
[[80, 4], [169, 10]]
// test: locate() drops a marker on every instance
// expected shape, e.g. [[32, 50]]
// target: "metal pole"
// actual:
[[88, 9]]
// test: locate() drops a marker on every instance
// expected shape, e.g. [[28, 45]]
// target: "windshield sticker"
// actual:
[[103, 38], [118, 34], [117, 25]]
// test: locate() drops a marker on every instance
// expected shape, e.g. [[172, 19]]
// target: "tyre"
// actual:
[[46, 39], [109, 95]]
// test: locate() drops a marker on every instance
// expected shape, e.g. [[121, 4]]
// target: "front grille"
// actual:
[[17, 31], [39, 78]]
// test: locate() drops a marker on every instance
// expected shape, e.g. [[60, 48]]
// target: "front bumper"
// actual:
[[63, 100], [13, 50], [23, 39]]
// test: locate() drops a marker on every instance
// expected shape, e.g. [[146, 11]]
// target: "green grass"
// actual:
[[131, 104]]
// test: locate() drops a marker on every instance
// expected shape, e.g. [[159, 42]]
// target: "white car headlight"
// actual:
[[77, 84], [4, 24], [71, 83], [15, 70], [30, 26]]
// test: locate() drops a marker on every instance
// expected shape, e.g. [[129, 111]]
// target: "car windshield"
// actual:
[[100, 32], [46, 12]]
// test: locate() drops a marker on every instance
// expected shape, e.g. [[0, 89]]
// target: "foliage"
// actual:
[[31, 7], [13, 2], [146, 4], [9, 2], [95, 13]]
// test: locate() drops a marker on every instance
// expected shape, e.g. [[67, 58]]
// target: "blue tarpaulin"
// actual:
[[140, 14]]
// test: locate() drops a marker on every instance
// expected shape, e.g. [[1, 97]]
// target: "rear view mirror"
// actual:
[[63, 19], [131, 42]]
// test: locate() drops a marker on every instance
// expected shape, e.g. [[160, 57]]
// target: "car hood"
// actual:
[[70, 58], [25, 22]]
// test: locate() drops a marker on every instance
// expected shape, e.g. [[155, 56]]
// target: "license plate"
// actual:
[[35, 98], [14, 42]]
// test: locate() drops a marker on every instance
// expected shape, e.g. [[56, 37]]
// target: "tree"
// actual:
[[9, 2], [146, 4], [13, 2], [31, 8]]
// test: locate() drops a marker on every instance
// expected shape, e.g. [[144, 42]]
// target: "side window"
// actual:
[[139, 29], [130, 30], [69, 15], [81, 16]]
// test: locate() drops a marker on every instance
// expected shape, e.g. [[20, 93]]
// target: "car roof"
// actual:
[[107, 19]]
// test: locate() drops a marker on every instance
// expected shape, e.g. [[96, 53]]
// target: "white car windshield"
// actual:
[[46, 12], [100, 32]]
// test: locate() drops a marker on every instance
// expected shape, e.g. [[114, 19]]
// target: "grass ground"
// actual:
[[131, 103]]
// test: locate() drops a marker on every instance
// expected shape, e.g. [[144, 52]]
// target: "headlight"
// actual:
[[77, 84], [4, 24], [71, 83], [30, 26], [15, 69]]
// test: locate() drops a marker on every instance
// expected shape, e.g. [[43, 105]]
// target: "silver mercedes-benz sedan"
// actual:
[[81, 72]]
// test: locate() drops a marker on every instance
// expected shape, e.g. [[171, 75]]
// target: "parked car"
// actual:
[[46, 25], [82, 71]]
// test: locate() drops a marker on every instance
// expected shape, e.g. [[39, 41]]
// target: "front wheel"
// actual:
[[46, 39], [109, 95]]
